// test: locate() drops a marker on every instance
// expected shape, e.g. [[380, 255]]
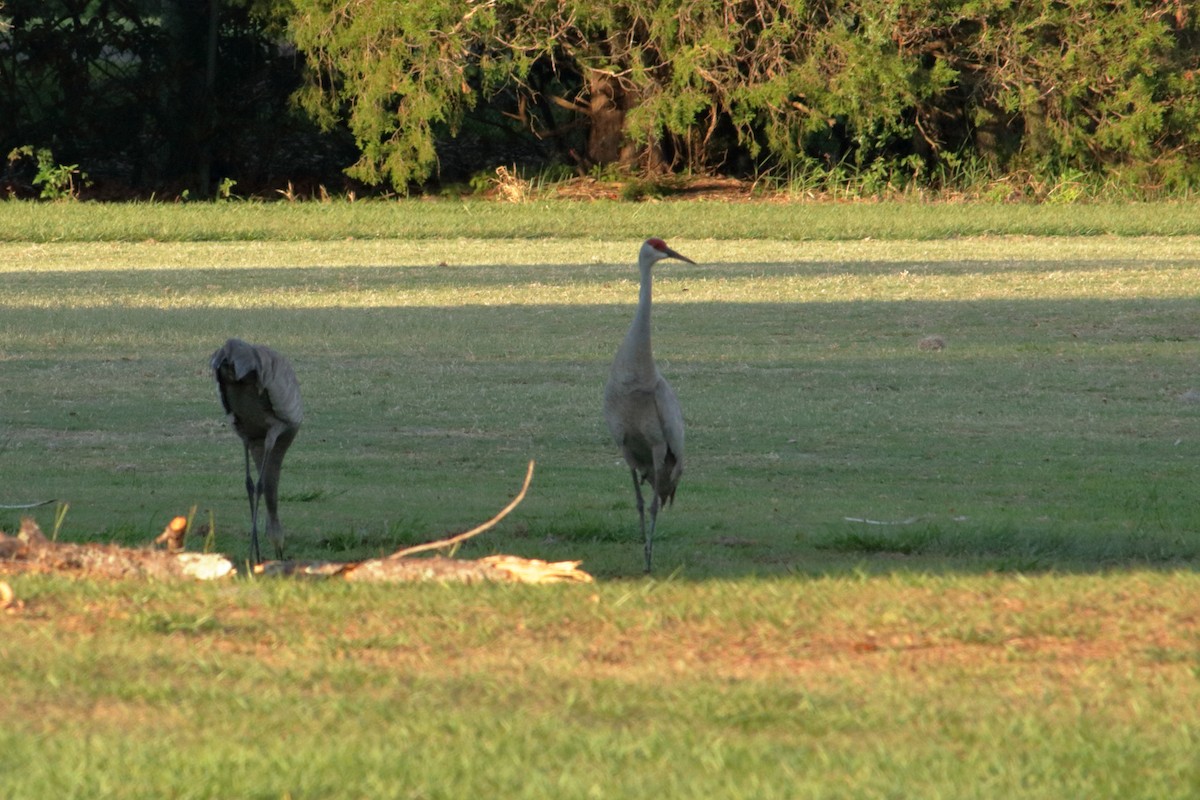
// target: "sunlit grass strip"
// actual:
[[964, 255], [599, 220], [228, 277], [678, 291]]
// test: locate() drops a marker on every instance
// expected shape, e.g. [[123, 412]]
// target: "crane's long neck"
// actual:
[[635, 351]]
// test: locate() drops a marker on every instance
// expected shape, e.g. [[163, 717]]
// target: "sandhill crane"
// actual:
[[261, 395], [640, 407]]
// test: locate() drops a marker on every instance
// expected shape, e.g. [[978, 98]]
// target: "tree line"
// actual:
[[176, 95]]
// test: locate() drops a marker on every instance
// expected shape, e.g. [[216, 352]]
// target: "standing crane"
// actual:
[[261, 395], [641, 408]]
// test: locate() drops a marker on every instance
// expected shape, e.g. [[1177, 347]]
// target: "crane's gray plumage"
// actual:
[[641, 408], [261, 395]]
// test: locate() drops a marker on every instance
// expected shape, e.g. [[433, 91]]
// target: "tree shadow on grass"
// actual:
[[1006, 548], [784, 401]]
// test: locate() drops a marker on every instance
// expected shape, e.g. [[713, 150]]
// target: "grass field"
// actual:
[[1024, 624]]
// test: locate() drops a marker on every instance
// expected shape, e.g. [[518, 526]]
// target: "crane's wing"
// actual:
[[278, 380], [671, 417]]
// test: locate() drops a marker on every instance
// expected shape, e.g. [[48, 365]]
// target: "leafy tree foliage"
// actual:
[[396, 70], [1050, 85]]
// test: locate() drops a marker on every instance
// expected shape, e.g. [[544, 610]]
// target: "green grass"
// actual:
[[1052, 430], [1022, 625], [602, 220], [913, 685]]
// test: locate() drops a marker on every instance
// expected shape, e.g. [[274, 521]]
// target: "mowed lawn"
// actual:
[[936, 536]]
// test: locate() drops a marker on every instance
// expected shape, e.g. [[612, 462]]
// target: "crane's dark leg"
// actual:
[[272, 465], [252, 493], [641, 507], [654, 504]]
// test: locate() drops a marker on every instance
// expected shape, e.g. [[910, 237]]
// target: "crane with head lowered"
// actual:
[[261, 396]]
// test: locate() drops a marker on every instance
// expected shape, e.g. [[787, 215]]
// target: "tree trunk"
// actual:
[[606, 112], [608, 106], [192, 35]]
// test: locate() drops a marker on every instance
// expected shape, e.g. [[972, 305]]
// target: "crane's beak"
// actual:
[[672, 254]]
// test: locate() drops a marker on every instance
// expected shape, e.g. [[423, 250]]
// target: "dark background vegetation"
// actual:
[[200, 98]]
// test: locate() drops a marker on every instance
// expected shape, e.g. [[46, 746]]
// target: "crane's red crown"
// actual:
[[657, 244]]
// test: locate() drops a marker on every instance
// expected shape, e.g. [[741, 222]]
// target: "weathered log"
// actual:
[[499, 569]]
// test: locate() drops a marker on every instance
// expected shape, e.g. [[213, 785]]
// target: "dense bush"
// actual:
[[1044, 87]]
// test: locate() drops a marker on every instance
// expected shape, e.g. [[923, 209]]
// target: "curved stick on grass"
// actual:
[[38, 504], [462, 537]]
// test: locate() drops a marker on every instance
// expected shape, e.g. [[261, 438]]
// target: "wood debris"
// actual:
[[8, 598], [31, 551], [400, 567], [174, 534], [491, 569]]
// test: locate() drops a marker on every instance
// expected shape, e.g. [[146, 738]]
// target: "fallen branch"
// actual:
[[20, 506], [462, 537], [400, 568]]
